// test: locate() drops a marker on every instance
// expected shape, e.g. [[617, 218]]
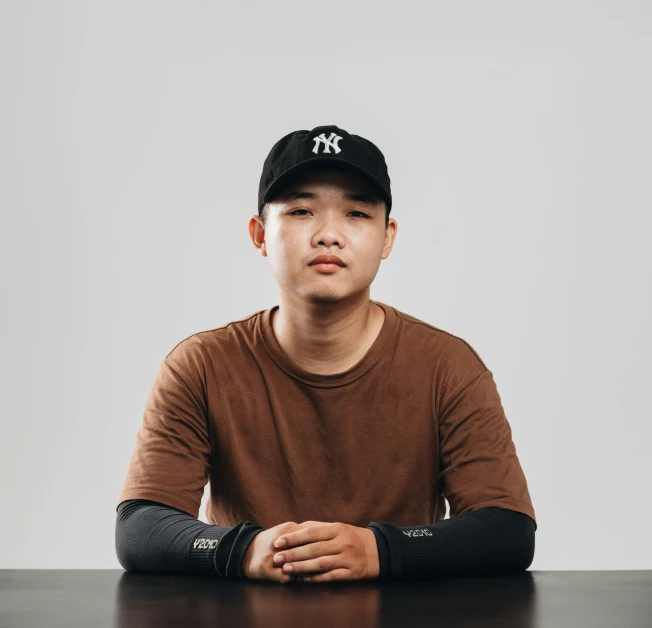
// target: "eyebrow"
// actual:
[[293, 195]]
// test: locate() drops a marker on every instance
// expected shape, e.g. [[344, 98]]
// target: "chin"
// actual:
[[328, 296], [317, 294], [324, 298]]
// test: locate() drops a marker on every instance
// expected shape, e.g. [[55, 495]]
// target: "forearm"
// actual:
[[154, 537], [480, 542]]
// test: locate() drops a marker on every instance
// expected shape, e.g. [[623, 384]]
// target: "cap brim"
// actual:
[[325, 163]]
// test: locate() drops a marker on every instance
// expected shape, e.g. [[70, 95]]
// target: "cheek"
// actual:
[[285, 258]]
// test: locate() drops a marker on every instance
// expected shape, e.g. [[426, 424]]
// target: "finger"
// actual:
[[324, 532], [314, 565], [280, 576], [328, 576], [306, 552]]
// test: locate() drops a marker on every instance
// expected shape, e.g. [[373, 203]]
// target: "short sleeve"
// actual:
[[172, 458], [479, 466]]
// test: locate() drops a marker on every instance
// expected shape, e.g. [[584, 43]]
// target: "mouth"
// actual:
[[326, 268]]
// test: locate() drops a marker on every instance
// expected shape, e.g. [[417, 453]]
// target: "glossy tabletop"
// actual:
[[97, 598]]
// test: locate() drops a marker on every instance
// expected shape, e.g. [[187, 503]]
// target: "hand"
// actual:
[[323, 551], [258, 562]]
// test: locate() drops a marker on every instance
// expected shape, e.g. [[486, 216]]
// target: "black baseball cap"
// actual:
[[324, 147]]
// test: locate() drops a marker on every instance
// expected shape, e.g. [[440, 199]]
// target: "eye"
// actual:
[[355, 211]]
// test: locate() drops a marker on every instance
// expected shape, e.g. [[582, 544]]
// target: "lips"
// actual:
[[327, 259]]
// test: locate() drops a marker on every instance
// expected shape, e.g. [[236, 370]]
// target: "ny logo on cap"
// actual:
[[329, 143]]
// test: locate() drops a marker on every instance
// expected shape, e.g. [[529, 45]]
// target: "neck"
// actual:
[[326, 338]]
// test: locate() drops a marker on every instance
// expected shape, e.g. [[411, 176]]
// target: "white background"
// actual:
[[518, 138]]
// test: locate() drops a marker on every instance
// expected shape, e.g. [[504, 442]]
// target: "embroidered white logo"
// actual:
[[417, 532], [330, 142], [205, 543]]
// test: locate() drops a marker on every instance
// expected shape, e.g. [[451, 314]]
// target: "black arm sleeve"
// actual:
[[480, 542], [155, 537]]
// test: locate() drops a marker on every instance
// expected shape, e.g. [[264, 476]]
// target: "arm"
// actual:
[[157, 527], [492, 522], [481, 542], [154, 537]]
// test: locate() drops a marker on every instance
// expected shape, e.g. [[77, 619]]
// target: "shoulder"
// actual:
[[203, 346], [442, 345]]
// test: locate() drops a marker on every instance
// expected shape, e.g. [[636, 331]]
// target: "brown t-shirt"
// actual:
[[416, 421]]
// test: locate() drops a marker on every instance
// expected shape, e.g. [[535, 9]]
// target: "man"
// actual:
[[331, 409]]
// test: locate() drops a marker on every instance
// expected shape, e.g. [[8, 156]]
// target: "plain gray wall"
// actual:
[[518, 137]]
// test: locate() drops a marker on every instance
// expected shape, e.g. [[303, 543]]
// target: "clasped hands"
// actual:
[[313, 551]]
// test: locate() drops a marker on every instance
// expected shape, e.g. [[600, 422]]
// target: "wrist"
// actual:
[[382, 548], [241, 547], [373, 559]]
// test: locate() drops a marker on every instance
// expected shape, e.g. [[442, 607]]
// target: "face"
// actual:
[[331, 213]]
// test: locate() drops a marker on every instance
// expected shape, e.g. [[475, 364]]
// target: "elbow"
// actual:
[[123, 547], [126, 545], [525, 554]]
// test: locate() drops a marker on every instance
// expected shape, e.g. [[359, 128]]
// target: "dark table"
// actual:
[[97, 598]]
